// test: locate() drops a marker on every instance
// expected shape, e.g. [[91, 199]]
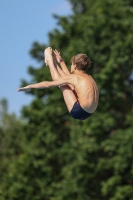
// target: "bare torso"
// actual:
[[87, 92]]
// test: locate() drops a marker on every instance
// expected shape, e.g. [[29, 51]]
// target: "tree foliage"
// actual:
[[63, 158], [11, 141]]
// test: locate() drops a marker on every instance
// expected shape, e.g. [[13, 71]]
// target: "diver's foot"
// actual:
[[48, 55]]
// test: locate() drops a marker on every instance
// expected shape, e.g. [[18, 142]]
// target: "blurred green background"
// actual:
[[47, 155]]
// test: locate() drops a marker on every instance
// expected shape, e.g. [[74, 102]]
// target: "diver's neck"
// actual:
[[78, 72]]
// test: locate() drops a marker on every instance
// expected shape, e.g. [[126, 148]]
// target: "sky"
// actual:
[[21, 24]]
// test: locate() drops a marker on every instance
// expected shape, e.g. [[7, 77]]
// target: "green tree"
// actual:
[[84, 160], [11, 140]]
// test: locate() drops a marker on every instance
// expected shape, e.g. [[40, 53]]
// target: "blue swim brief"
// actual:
[[77, 112]]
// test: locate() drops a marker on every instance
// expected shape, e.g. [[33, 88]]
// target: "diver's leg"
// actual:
[[55, 70], [69, 96]]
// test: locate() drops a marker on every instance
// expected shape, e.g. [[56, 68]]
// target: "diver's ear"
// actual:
[[75, 66]]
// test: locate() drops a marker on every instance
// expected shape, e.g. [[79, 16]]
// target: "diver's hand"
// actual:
[[25, 89], [58, 56]]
